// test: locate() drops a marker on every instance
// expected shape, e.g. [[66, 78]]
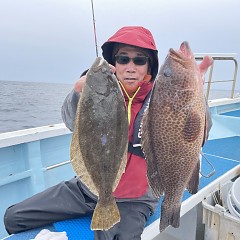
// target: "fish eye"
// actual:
[[167, 72]]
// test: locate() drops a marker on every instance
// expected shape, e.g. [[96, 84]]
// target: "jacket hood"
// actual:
[[135, 36]]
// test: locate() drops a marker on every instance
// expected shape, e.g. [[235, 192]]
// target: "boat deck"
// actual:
[[222, 152], [224, 155]]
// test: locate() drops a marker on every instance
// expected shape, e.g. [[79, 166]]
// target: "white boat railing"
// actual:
[[32, 134]]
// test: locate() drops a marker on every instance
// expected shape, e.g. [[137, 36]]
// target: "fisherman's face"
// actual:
[[130, 74]]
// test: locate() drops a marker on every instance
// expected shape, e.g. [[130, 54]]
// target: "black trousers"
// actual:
[[66, 201]]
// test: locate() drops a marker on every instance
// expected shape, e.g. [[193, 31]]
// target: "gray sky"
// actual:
[[53, 40]]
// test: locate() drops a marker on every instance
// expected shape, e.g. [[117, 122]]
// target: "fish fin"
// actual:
[[208, 124], [121, 169], [204, 65], [105, 215], [205, 135], [154, 184], [192, 127], [76, 157], [78, 164], [153, 175], [193, 183], [170, 215]]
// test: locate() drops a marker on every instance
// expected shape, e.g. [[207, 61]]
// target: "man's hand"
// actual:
[[78, 87], [79, 84]]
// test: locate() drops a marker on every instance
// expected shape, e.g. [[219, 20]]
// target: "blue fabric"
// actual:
[[76, 229], [30, 234]]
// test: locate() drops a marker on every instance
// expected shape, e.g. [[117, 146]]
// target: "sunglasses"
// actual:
[[139, 60]]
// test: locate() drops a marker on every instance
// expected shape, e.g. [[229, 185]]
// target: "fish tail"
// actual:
[[105, 215], [169, 216]]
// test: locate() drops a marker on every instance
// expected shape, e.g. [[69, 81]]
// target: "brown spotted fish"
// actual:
[[174, 129], [100, 140]]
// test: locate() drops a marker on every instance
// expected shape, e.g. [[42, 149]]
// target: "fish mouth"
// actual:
[[183, 54], [98, 63]]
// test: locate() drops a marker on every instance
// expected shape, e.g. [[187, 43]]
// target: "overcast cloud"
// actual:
[[53, 40]]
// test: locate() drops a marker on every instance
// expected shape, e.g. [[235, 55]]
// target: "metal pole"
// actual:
[[209, 80], [94, 28], [234, 77]]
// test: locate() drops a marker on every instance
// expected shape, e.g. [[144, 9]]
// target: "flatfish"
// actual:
[[174, 129], [100, 139]]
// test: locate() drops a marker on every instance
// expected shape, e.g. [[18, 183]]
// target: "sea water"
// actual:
[[29, 104], [26, 105]]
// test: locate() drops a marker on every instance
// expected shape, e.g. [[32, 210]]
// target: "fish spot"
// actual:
[[104, 139]]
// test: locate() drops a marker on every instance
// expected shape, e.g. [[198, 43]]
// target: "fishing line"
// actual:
[[94, 29]]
